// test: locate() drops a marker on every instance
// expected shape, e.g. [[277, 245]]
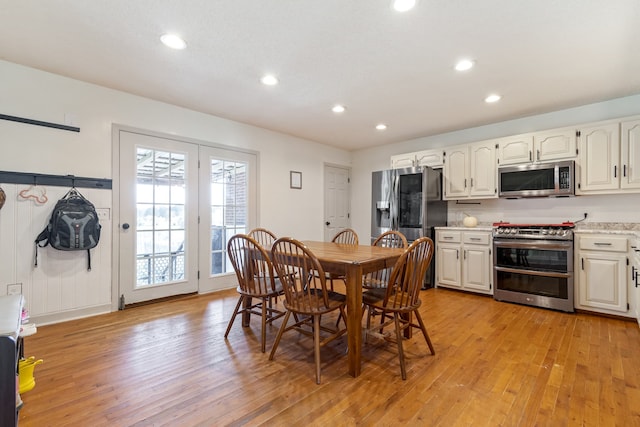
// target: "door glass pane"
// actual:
[[229, 189], [161, 211]]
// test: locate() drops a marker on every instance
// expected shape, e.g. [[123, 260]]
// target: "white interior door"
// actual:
[[158, 217], [336, 200], [228, 201]]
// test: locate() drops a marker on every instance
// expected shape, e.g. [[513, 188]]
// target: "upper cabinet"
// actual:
[[609, 158], [431, 158], [630, 154], [535, 147], [470, 171], [403, 161]]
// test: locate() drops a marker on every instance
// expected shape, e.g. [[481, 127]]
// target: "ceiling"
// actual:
[[384, 66]]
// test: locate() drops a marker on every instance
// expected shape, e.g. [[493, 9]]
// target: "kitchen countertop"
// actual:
[[480, 227], [581, 227]]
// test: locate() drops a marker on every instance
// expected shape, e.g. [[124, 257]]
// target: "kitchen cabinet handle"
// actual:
[[582, 263], [464, 254], [471, 182], [475, 239], [602, 244], [465, 183], [457, 254], [530, 155], [624, 170], [447, 237], [615, 171], [538, 152]]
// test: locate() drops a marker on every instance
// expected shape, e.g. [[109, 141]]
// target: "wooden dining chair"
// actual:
[[345, 237], [400, 300], [306, 296], [379, 278], [256, 280], [263, 236]]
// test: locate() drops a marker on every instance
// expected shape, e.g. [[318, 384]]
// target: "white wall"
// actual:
[[600, 208], [33, 94]]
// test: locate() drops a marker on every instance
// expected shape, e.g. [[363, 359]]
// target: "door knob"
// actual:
[[125, 226], [327, 223]]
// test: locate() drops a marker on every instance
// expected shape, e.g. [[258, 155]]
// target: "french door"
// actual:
[[179, 204]]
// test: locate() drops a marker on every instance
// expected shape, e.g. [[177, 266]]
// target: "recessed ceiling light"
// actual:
[[403, 5], [338, 108], [269, 80], [381, 126], [464, 65], [173, 41], [492, 98]]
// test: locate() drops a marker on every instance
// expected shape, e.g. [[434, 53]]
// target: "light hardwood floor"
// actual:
[[167, 364]]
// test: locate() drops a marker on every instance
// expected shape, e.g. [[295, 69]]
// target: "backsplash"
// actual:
[[610, 209]]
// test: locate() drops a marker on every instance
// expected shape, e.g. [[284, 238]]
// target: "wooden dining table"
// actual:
[[353, 261]]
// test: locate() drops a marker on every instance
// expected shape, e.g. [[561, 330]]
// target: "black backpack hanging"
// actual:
[[73, 226]]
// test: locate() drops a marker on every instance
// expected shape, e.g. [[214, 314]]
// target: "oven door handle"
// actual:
[[533, 272], [534, 244]]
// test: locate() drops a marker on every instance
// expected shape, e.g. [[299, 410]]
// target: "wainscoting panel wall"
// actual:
[[60, 287]]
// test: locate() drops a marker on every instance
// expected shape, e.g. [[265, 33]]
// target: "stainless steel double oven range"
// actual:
[[533, 264]]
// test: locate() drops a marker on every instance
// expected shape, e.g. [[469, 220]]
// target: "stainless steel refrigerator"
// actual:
[[408, 200]]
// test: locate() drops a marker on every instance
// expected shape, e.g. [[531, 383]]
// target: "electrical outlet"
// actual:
[[15, 289], [103, 214]]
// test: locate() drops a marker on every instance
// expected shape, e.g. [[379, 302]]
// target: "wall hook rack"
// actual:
[[39, 123], [54, 180]]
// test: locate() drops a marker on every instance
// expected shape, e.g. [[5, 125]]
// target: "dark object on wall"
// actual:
[[55, 180], [73, 226], [3, 197], [39, 123]]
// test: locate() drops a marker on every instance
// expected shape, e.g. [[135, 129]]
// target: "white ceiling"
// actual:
[[540, 55]]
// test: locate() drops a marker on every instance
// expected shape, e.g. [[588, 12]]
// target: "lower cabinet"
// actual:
[[602, 264], [463, 260]]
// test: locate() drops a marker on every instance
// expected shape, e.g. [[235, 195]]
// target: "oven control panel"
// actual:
[[562, 231]]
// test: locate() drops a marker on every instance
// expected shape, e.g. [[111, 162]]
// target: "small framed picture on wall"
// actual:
[[295, 180]]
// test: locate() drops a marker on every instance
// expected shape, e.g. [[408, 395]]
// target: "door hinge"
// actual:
[[628, 307], [198, 219], [576, 151], [348, 215], [627, 261], [198, 274]]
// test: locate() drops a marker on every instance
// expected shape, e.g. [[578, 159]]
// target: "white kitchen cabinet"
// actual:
[[610, 158], [555, 144], [464, 260], [630, 154], [516, 149], [599, 158], [635, 277], [403, 161], [602, 263], [470, 171], [432, 158]]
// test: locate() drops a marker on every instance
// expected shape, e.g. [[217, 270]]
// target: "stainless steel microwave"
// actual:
[[537, 180]]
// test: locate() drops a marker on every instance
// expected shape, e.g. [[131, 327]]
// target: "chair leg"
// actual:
[[316, 345], [235, 313], [424, 332], [396, 318], [263, 334], [280, 331]]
